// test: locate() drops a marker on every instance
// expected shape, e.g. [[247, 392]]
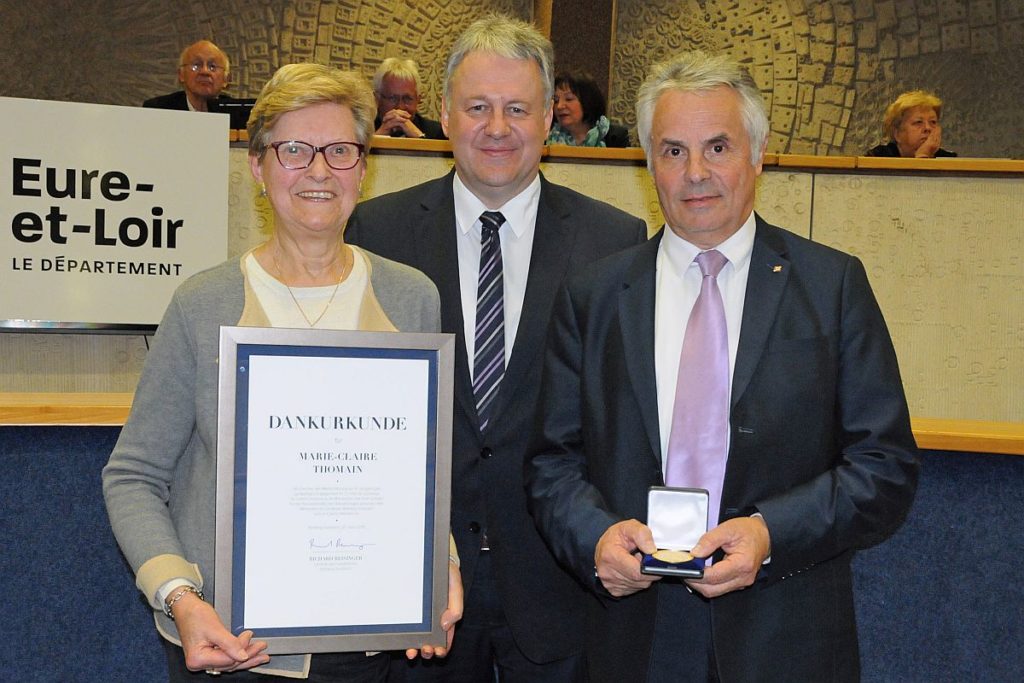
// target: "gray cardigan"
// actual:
[[160, 482]]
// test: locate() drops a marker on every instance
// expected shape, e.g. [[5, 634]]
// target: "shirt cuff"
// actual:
[[159, 570], [768, 559], [164, 591]]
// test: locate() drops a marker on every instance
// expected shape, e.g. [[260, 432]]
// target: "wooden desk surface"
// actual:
[[98, 409], [388, 145]]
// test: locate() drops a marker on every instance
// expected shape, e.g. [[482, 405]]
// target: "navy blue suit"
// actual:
[[820, 445], [542, 602]]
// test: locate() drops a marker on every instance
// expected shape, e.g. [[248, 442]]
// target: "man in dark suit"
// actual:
[[396, 85], [734, 356], [523, 613], [203, 71]]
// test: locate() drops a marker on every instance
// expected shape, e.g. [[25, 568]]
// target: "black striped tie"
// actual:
[[489, 357]]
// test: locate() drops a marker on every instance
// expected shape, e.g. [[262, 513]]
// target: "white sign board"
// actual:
[[105, 210]]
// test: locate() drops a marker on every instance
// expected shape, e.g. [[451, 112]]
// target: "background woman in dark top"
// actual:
[[912, 121], [580, 115]]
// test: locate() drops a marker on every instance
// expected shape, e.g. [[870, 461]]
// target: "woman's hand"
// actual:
[[208, 645], [931, 145], [448, 618]]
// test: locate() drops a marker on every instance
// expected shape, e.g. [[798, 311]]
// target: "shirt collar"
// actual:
[[736, 248], [518, 211]]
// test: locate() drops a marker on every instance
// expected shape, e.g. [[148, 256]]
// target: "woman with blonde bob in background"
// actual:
[[912, 123], [309, 133]]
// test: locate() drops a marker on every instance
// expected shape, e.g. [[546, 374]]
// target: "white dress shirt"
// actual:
[[516, 235], [678, 284]]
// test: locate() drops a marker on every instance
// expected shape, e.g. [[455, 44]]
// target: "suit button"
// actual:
[[474, 527], [486, 452]]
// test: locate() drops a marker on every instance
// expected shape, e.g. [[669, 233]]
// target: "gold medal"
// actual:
[[673, 556]]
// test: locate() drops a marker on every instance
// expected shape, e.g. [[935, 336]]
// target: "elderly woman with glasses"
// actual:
[[308, 135]]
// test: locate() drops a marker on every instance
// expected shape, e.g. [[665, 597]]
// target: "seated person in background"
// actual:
[[203, 71], [912, 121], [396, 86], [580, 115]]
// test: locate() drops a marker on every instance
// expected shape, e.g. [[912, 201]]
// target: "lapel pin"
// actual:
[[776, 269]]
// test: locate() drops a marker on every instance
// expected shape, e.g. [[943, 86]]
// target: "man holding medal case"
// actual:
[[733, 357]]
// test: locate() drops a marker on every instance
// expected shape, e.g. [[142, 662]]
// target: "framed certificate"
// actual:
[[333, 487]]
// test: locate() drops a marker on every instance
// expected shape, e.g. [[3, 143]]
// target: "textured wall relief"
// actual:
[[829, 68], [802, 58], [360, 34], [114, 52]]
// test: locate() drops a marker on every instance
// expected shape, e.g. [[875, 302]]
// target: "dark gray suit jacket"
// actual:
[[543, 603], [431, 129], [237, 109], [820, 445]]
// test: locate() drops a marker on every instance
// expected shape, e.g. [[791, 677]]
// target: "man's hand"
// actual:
[[448, 618], [398, 120], [617, 561], [208, 645], [746, 543], [931, 145]]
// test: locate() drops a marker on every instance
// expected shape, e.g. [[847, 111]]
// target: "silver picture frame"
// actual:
[[286, 504]]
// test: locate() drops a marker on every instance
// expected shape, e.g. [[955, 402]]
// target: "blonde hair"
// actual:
[[895, 112], [402, 69], [296, 86]]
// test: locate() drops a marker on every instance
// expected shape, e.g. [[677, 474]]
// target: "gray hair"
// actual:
[[697, 71], [506, 37], [402, 69]]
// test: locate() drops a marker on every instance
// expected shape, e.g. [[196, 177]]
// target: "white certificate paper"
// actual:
[[333, 450], [333, 487]]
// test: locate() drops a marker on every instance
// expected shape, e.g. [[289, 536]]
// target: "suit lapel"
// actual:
[[636, 316], [553, 239], [435, 239], [769, 272]]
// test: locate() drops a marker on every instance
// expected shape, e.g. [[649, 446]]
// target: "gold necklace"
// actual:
[[344, 273]]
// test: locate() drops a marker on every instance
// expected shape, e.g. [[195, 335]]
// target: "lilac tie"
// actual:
[[698, 442], [489, 344]]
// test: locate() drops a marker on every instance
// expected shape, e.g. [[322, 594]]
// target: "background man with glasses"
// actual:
[[204, 71], [396, 85]]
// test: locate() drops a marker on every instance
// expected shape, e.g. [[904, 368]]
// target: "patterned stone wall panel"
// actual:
[[945, 261], [943, 255], [36, 362], [784, 199], [106, 51], [123, 52], [800, 52], [392, 172], [250, 219], [360, 34], [627, 186], [829, 68], [800, 57]]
